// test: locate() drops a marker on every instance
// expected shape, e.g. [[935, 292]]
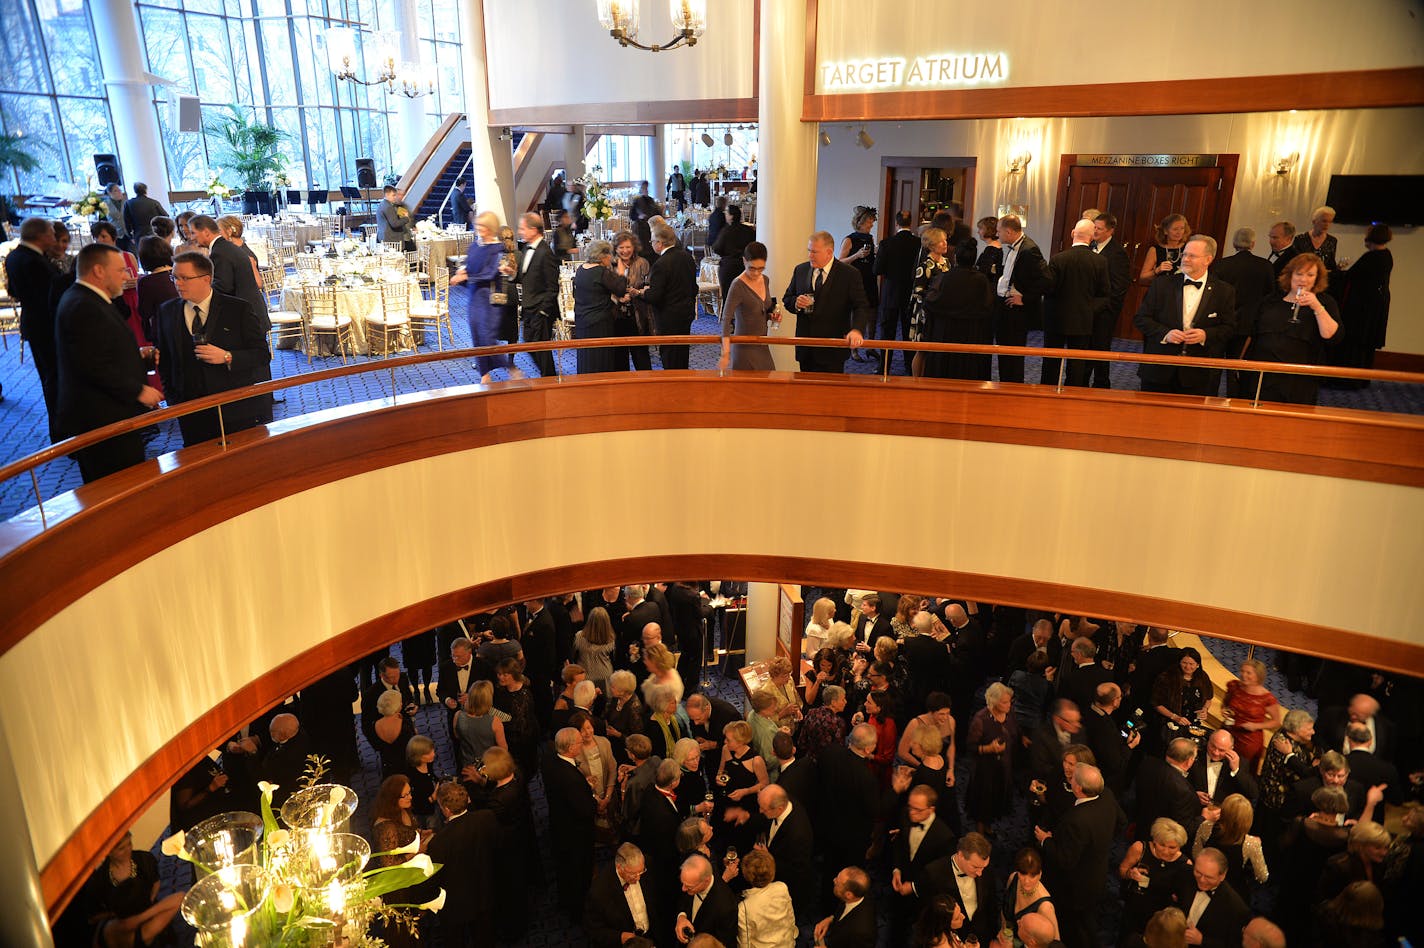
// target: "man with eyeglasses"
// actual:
[[209, 342], [619, 906]]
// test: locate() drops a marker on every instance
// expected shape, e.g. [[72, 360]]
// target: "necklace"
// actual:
[[123, 877]]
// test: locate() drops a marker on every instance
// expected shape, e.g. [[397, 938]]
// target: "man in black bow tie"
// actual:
[[455, 679], [1186, 314], [1215, 913]]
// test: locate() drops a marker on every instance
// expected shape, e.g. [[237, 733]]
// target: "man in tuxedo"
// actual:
[[1363, 709], [1025, 645], [1371, 770], [1075, 856], [1215, 912], [961, 876], [870, 625], [796, 775], [1189, 314], [1019, 294], [455, 677], [829, 299], [101, 376], [1047, 743], [895, 261], [789, 839], [1079, 676], [846, 830], [537, 277], [709, 715], [1281, 237], [683, 613], [1106, 245], [1111, 750], [926, 655], [1221, 772], [658, 819], [572, 809], [706, 905], [285, 758], [139, 212], [672, 293], [326, 716], [1079, 289], [852, 925], [233, 352], [1164, 788], [920, 839], [539, 642], [200, 793], [390, 678], [464, 848], [29, 274], [619, 907]]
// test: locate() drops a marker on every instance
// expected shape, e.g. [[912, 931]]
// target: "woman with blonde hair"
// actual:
[[594, 645], [1229, 831], [1251, 710], [481, 272], [786, 710], [823, 615], [662, 672], [478, 726], [1166, 253], [1153, 872], [1166, 929], [765, 918]]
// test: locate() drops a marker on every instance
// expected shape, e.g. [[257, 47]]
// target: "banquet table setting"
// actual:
[[358, 295]]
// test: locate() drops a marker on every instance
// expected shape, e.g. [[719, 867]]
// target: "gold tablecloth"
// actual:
[[357, 302]]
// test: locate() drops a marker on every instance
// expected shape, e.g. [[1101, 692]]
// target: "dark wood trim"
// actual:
[[1399, 361], [682, 110], [813, 25], [137, 503], [65, 873], [1362, 89]]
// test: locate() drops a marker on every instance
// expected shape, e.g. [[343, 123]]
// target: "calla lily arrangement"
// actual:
[[298, 886]]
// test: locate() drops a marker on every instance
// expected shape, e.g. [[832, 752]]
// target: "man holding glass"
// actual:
[[207, 343]]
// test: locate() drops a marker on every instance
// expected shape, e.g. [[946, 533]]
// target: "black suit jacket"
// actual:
[[845, 829], [800, 781], [1371, 770], [841, 305], [540, 646], [1163, 790], [28, 276], [1076, 855], [630, 632], [1220, 925], [718, 915], [1254, 279], [1045, 754], [1241, 782], [1119, 274], [857, 930], [895, 260], [539, 282], [938, 879], [792, 848], [1101, 733], [571, 807], [371, 694], [464, 848], [658, 820], [1281, 259], [869, 630], [230, 324], [606, 915], [233, 276], [1161, 312], [1079, 684], [1030, 276], [1330, 732], [672, 293], [100, 370], [139, 212], [1079, 290], [284, 764], [1298, 799], [939, 842]]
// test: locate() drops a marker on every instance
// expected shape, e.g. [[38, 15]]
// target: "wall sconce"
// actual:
[[1018, 162], [1284, 164], [825, 139], [864, 140]]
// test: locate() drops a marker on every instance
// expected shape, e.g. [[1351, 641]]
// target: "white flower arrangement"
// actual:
[[426, 228], [216, 188]]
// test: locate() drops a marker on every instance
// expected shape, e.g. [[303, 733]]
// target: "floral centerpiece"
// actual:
[[596, 206], [302, 886], [427, 229], [216, 188], [86, 202]]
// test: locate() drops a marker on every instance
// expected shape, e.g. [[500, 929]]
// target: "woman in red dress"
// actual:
[[1251, 710]]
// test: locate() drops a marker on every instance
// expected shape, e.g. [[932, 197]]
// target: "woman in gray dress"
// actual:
[[749, 306]]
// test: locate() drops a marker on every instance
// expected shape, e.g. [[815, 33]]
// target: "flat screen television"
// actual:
[[1396, 199]]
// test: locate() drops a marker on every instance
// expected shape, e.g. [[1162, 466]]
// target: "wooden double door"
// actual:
[[1140, 197]]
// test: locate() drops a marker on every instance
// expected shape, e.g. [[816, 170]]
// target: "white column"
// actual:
[[410, 135], [659, 169], [575, 151], [763, 610], [786, 167], [492, 165], [136, 135]]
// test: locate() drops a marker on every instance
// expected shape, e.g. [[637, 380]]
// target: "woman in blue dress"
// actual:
[[482, 273]]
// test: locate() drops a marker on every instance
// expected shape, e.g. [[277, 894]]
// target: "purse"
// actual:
[[498, 297]]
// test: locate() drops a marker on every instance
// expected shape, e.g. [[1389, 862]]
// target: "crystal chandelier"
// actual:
[[399, 78], [303, 885], [620, 19]]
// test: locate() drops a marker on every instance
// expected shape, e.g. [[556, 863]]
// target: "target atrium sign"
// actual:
[[946, 71]]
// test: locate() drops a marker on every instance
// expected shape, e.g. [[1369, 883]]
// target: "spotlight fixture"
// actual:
[[864, 140], [727, 138], [707, 140], [825, 139]]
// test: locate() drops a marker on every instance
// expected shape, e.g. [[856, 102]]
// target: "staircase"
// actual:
[[443, 183]]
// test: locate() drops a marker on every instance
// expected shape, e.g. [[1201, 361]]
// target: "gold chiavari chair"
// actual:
[[392, 319], [320, 318], [430, 315], [286, 324]]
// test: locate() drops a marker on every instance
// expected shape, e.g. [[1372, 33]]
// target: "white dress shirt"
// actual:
[[206, 306], [968, 894], [637, 905], [917, 834], [1011, 255], [1191, 299], [1199, 905], [776, 823]]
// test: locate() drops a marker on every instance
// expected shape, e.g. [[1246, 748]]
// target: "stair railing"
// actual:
[[464, 170]]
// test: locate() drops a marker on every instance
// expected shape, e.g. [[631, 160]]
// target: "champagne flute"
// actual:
[[1295, 310]]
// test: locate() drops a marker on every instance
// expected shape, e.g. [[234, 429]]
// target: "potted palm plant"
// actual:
[[15, 155], [252, 150]]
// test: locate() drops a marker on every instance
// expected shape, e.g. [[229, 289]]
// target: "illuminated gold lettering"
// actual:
[[914, 74], [994, 68]]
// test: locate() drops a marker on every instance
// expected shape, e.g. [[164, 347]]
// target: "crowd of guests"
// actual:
[[874, 794]]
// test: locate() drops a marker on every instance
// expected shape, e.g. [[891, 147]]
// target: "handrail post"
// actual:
[[39, 500], [393, 385], [1062, 372], [885, 372], [1260, 378], [222, 430]]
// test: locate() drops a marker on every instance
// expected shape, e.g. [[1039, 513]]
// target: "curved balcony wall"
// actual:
[[184, 602]]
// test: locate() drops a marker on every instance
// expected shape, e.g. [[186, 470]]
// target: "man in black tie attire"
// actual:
[[961, 876], [853, 923], [1019, 292], [1282, 239], [455, 678], [1220, 772], [209, 342], [464, 848], [706, 905], [29, 273], [571, 812], [672, 292], [789, 838], [1186, 314], [537, 277], [919, 840], [285, 760], [1164, 788], [101, 377], [1078, 291], [619, 906], [895, 261], [829, 299], [1254, 279], [1215, 912], [389, 678], [1106, 245], [1075, 856]]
